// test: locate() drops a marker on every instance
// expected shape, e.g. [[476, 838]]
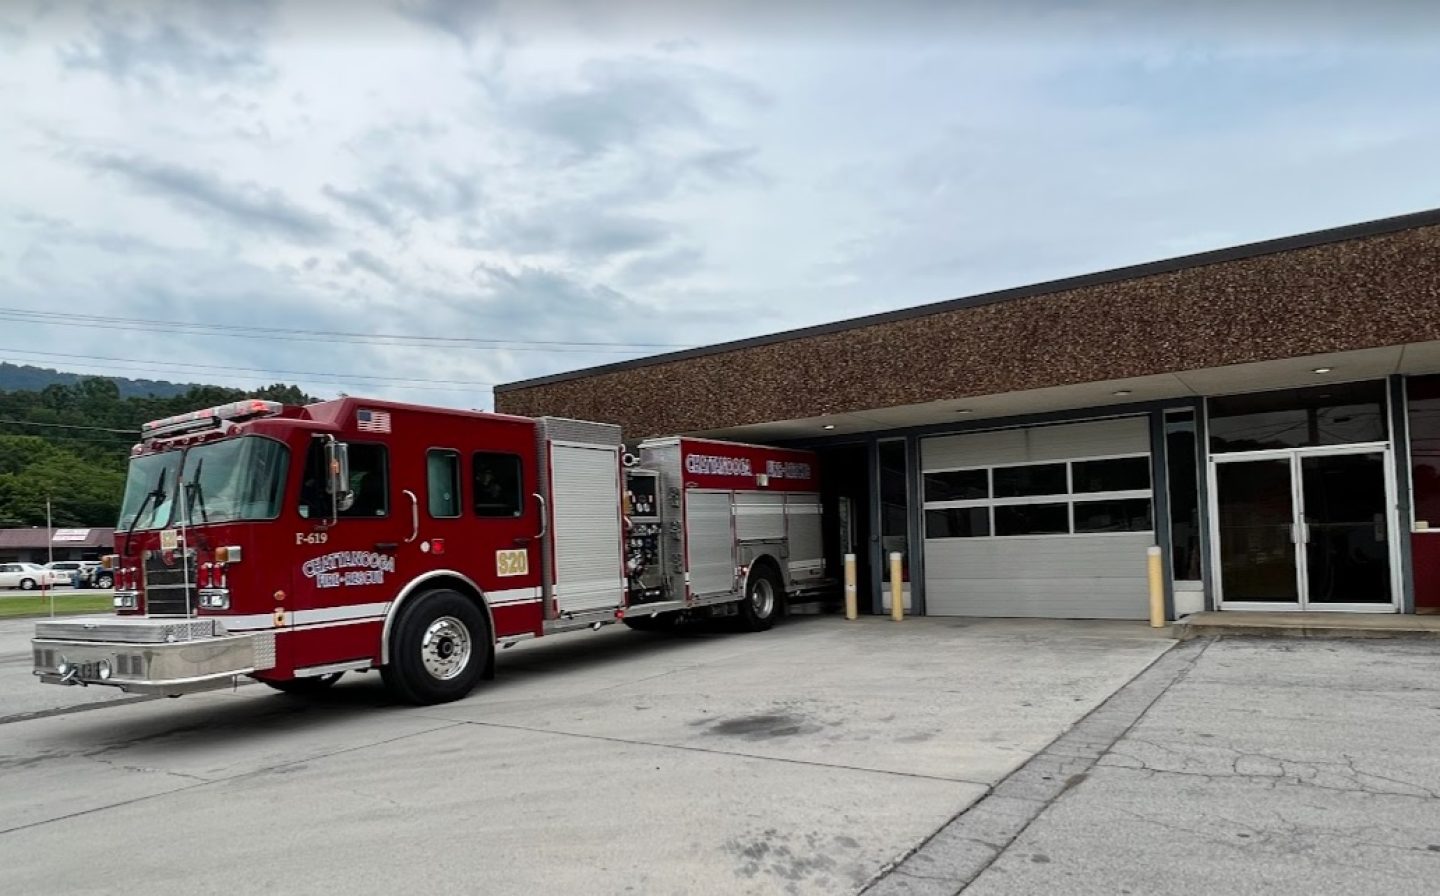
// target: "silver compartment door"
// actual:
[[585, 520], [807, 552], [710, 541], [759, 516]]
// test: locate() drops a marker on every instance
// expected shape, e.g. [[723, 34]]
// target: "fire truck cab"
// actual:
[[295, 544]]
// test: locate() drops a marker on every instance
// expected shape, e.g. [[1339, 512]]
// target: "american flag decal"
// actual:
[[373, 421]]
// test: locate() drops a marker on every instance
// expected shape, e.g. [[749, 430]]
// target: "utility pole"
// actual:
[[49, 551]]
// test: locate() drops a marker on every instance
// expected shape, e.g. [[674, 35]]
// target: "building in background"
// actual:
[[1268, 415], [35, 545]]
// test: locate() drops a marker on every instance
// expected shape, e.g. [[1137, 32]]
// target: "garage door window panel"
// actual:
[[1127, 515], [1031, 481], [957, 485], [957, 522], [1032, 519], [1090, 496], [1112, 474]]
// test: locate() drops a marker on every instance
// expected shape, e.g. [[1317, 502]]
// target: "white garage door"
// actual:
[[1050, 521]]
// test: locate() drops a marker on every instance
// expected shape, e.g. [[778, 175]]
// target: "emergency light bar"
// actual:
[[210, 418]]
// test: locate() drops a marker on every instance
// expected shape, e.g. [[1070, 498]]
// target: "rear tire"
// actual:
[[306, 687], [27, 584], [441, 648], [105, 581], [763, 594]]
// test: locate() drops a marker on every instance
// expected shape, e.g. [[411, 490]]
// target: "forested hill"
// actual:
[[16, 377], [70, 443]]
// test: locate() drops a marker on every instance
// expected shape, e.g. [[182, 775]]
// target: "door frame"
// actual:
[[1297, 502]]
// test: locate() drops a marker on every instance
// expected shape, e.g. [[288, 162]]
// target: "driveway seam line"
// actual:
[[991, 824]]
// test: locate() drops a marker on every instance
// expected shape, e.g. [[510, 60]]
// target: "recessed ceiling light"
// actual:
[[963, 411], [1323, 369], [828, 426], [1122, 391]]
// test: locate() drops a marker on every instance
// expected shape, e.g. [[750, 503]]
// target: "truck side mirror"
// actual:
[[337, 474]]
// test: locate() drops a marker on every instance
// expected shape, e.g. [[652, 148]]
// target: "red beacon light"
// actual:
[[210, 418]]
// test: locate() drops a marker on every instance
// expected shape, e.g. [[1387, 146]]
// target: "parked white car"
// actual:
[[67, 572], [28, 576]]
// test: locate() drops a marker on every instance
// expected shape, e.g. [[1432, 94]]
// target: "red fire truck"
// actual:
[[295, 544]]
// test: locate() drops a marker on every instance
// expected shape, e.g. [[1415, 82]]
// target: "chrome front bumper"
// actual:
[[164, 656]]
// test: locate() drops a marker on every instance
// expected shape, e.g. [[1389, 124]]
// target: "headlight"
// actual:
[[215, 600], [126, 601]]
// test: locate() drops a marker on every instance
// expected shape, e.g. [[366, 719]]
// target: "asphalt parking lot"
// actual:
[[808, 759]]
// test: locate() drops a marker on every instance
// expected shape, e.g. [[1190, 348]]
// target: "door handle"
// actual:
[[544, 516], [414, 516]]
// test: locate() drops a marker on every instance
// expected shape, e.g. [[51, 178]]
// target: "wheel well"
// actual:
[[453, 581]]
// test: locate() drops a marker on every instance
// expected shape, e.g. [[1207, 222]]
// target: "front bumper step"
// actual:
[[161, 656]]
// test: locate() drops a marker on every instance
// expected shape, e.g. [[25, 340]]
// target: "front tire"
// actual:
[[27, 584], [440, 649], [763, 594], [105, 581]]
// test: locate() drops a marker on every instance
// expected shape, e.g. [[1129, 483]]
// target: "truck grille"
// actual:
[[166, 593]]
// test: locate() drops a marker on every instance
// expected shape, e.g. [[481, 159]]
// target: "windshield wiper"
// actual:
[[155, 494], [194, 493]]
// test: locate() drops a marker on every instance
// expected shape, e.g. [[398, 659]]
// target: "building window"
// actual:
[[1339, 414], [499, 489], [1423, 394], [894, 506], [1182, 468], [442, 477], [1090, 496]]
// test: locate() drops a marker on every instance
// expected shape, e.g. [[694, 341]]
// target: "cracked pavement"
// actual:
[[1261, 766]]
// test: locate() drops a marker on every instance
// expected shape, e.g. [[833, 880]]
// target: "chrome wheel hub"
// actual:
[[446, 647], [762, 597]]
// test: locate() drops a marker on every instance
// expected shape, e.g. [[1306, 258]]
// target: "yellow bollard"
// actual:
[[852, 609], [897, 594], [1157, 589]]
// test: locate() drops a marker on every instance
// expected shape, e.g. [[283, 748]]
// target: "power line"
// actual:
[[128, 432], [288, 334]]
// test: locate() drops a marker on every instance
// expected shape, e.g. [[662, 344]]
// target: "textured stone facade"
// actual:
[[1356, 293]]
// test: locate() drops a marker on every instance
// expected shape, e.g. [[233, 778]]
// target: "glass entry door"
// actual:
[[1305, 530], [1346, 529]]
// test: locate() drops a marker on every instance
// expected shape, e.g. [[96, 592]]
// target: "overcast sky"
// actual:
[[565, 184]]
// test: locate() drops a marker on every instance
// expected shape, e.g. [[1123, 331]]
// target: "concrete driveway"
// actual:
[[808, 759]]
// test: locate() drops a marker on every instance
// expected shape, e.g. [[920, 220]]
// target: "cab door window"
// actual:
[[498, 486], [369, 482], [442, 475]]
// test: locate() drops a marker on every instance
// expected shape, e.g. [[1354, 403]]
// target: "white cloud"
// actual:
[[634, 175]]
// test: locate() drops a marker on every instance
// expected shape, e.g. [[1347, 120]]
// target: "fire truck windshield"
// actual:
[[233, 479], [149, 490]]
